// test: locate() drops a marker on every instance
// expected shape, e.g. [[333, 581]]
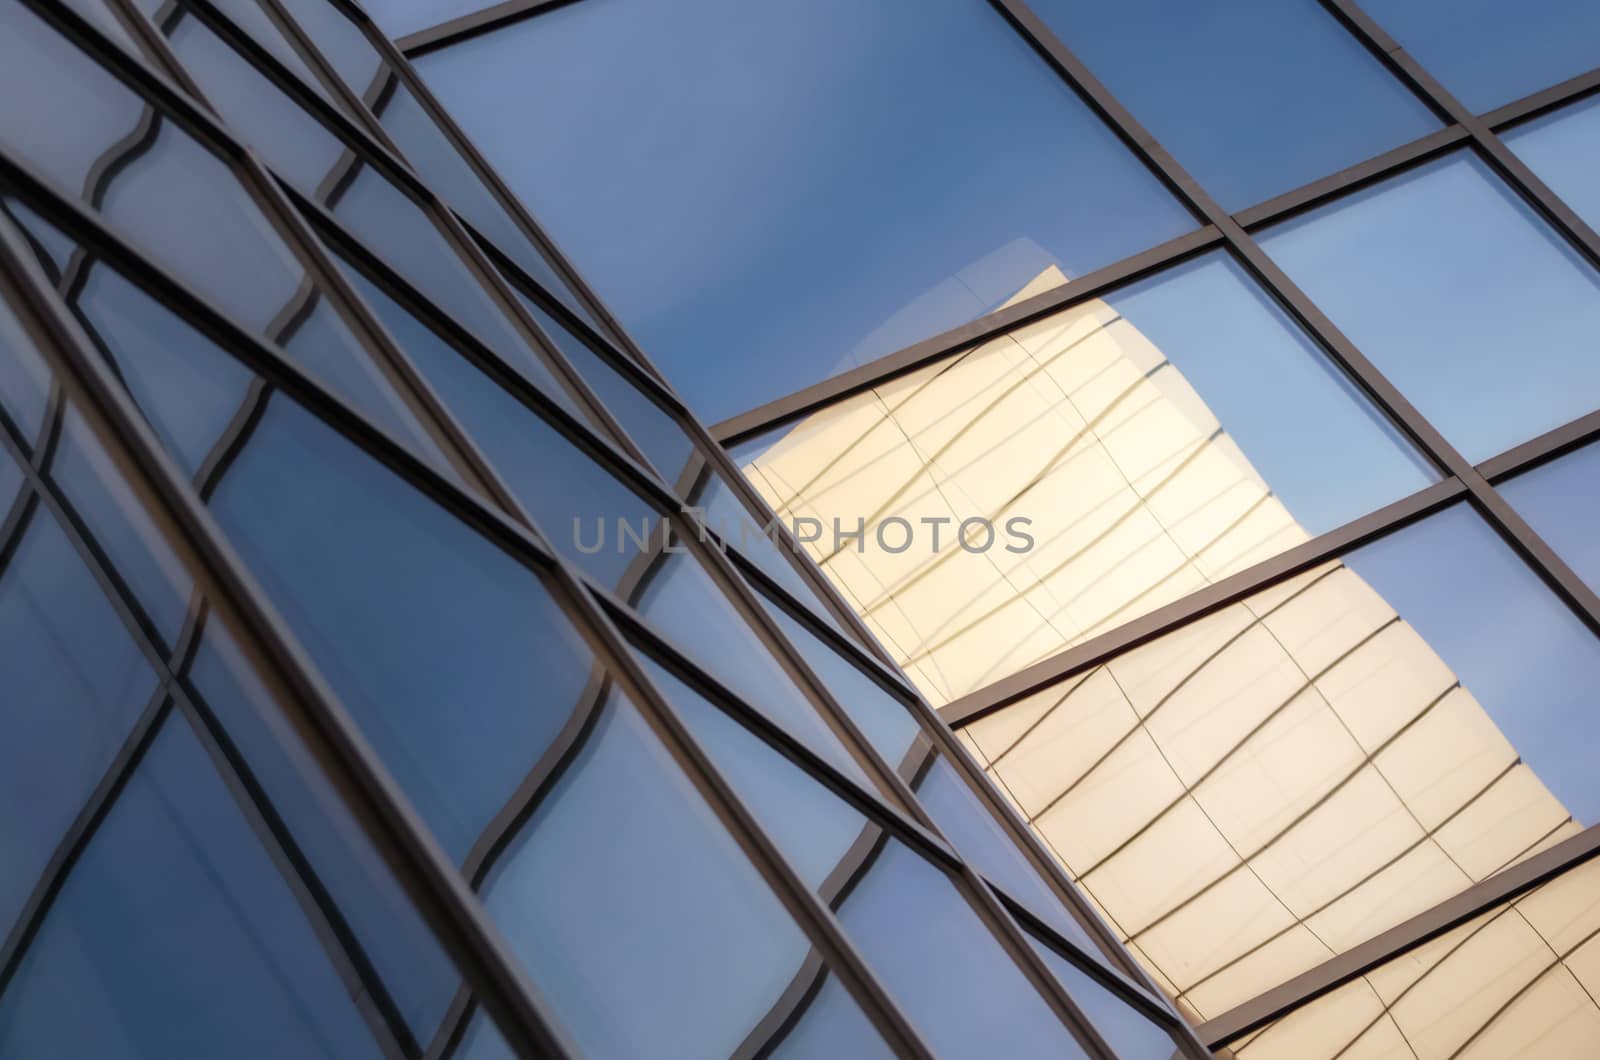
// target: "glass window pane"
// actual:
[[292, 142], [624, 884], [1489, 52], [1273, 784], [174, 935], [1564, 150], [1460, 295], [1252, 97], [1130, 1035], [1079, 472], [191, 390], [75, 684], [343, 44], [249, 17], [1562, 502], [958, 985], [11, 483], [652, 428], [413, 969], [757, 202], [885, 721], [453, 658]]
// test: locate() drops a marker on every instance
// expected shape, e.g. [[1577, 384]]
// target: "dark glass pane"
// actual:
[[1489, 52], [24, 376], [1253, 97], [118, 523], [453, 658], [407, 959], [1563, 149], [175, 936], [957, 983], [74, 684], [884, 720], [1460, 295], [1130, 1035], [1562, 502], [795, 188], [624, 884]]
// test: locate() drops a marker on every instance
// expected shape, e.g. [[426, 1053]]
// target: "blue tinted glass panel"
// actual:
[[1514, 646], [248, 16], [957, 984], [11, 482], [1489, 52], [1562, 502], [176, 936], [397, 18], [1228, 358], [624, 884], [454, 660], [1460, 295], [1130, 1035], [343, 44], [1253, 97], [74, 684], [831, 1026], [1564, 150], [972, 829], [685, 605], [885, 721], [117, 521], [407, 959], [794, 188]]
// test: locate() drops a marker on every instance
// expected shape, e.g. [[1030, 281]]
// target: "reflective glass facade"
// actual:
[[372, 686], [1256, 566]]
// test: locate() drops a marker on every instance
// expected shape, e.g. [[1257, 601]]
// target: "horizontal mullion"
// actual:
[[1542, 102], [1481, 897], [994, 325], [1541, 450], [1202, 602], [868, 803]]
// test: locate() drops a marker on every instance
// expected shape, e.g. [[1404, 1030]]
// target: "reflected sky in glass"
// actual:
[[1460, 295], [1526, 658], [1564, 150], [1299, 421], [1489, 52], [1562, 502], [1253, 97], [770, 193]]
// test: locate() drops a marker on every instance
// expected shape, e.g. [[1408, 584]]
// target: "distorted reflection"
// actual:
[[1279, 781], [1146, 444], [1519, 980]]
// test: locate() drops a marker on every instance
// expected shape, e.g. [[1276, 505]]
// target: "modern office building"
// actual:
[[1137, 596], [1243, 355], [371, 688]]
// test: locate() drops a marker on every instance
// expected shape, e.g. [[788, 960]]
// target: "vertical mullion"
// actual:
[[346, 758]]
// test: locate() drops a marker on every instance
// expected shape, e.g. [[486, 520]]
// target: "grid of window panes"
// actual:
[[1277, 319], [298, 406]]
